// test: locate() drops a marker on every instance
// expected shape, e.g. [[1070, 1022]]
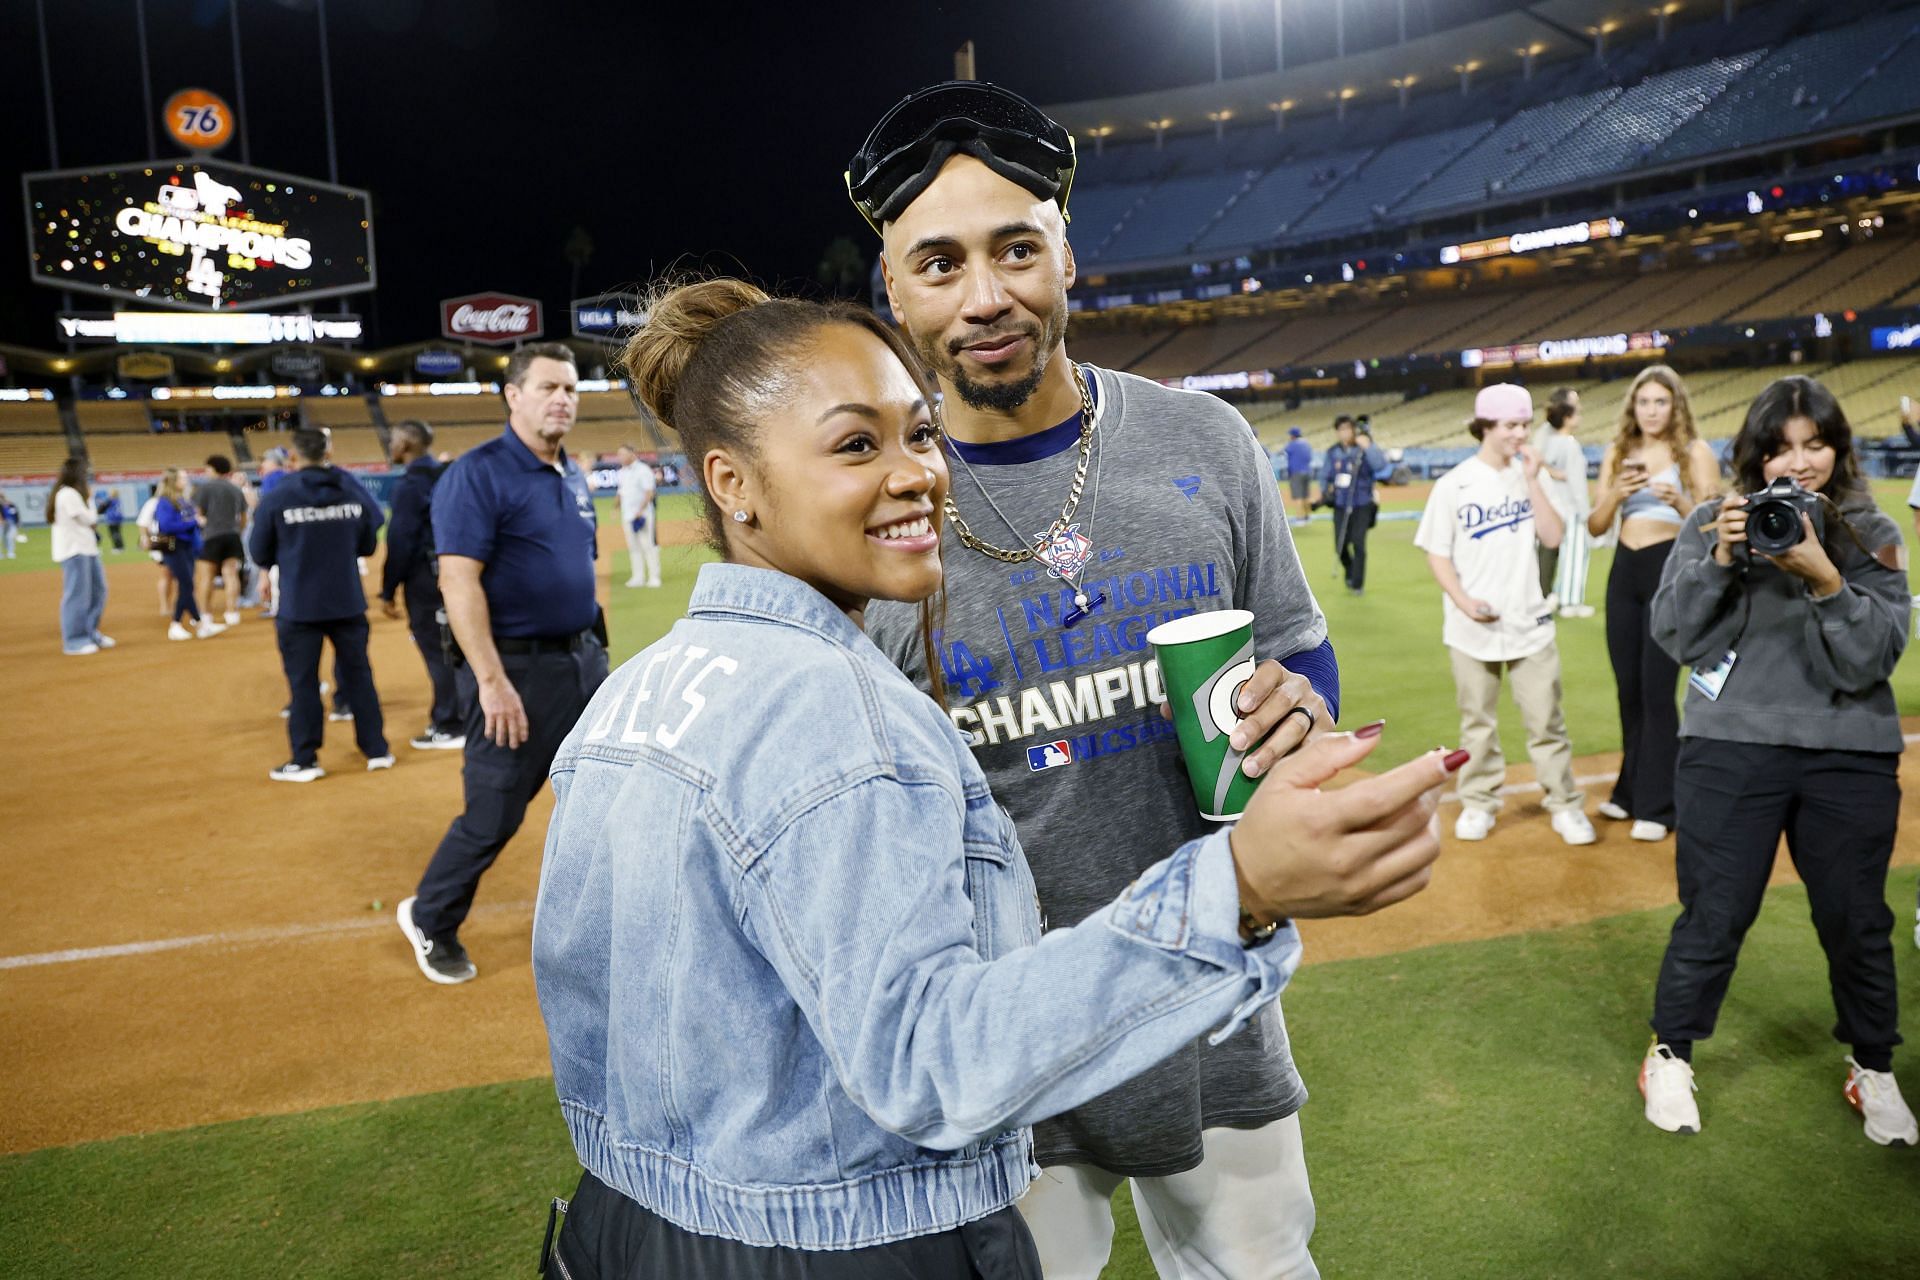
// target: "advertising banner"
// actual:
[[197, 234], [491, 319], [608, 316]]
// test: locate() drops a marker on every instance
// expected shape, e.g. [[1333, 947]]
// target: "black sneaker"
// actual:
[[439, 740], [293, 771], [443, 960]]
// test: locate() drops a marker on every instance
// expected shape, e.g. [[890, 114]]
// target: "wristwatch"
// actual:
[[1254, 934]]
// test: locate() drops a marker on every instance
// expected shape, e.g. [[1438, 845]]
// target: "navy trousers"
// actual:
[[422, 604], [300, 657], [500, 781]]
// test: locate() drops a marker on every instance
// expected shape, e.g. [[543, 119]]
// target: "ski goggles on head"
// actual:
[[924, 130]]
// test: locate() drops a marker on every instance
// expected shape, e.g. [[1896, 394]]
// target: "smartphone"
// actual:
[[1906, 404]]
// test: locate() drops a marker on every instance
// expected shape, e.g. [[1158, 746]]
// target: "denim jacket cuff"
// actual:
[[1190, 903]]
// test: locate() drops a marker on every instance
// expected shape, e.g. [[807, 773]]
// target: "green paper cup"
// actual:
[[1204, 660]]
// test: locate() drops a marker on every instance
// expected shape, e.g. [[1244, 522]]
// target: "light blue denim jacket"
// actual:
[[788, 952]]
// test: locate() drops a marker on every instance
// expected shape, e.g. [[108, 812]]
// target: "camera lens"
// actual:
[[1773, 522]]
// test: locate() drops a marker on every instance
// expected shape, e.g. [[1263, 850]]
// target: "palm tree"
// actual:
[[578, 252]]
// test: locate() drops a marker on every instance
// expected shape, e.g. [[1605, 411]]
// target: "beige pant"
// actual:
[[1246, 1213], [1536, 688]]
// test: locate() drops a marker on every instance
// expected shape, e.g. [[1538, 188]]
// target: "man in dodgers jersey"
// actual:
[[1066, 541], [1482, 528]]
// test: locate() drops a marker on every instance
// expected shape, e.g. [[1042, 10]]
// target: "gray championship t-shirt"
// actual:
[[1180, 514], [222, 503]]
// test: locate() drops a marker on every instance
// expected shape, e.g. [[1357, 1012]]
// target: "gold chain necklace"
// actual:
[[974, 542]]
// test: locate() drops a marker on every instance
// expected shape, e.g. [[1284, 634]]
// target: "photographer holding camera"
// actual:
[[1790, 604]]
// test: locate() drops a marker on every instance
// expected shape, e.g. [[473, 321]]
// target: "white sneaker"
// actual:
[[291, 772], [83, 650], [1876, 1096], [1573, 827], [1472, 824], [1667, 1084], [177, 632], [636, 582], [232, 619], [105, 642], [1608, 809], [339, 717], [1648, 831], [377, 763], [207, 629]]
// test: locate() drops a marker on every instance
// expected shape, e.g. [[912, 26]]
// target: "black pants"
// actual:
[[113, 531], [179, 562], [609, 1237], [1839, 811], [1350, 528], [1549, 558], [1645, 678], [422, 603], [500, 781], [300, 657]]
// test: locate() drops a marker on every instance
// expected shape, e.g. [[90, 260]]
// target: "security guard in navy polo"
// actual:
[[409, 567], [514, 527], [315, 525]]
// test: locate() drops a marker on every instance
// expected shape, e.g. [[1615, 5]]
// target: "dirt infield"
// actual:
[[182, 941]]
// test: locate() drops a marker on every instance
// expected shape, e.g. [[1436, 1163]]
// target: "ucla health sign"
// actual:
[[197, 235], [608, 316]]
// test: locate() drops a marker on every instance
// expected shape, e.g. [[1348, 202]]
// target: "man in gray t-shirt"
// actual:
[[224, 507], [1064, 545]]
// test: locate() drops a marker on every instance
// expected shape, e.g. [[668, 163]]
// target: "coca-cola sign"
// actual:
[[490, 319]]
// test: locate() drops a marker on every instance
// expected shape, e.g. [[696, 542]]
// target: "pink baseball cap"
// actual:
[[1503, 401]]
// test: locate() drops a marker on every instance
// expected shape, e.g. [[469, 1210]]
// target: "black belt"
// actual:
[[542, 644]]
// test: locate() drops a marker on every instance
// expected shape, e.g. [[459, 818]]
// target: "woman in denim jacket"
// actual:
[[786, 947]]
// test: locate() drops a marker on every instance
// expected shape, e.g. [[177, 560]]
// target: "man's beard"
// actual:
[[1000, 397]]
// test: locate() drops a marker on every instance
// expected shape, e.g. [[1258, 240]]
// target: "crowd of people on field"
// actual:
[[897, 787]]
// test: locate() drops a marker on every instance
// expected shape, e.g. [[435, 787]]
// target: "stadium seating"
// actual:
[[1168, 222], [122, 451], [112, 415], [1796, 84], [1506, 151], [1624, 133], [1273, 204], [1862, 276], [29, 417], [1387, 177], [27, 455], [351, 445], [337, 412], [458, 438], [438, 411]]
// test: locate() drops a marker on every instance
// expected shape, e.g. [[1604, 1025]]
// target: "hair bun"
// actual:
[[679, 318]]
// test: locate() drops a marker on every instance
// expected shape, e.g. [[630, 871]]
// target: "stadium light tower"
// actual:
[[1218, 73]]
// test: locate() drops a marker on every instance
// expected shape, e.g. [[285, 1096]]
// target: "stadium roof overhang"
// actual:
[[1551, 31]]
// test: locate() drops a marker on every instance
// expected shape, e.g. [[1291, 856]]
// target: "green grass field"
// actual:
[[1473, 1108], [1463, 1124]]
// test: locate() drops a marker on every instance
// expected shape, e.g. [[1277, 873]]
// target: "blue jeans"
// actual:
[[83, 598]]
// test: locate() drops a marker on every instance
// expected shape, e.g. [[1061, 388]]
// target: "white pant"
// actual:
[[643, 555], [1245, 1213]]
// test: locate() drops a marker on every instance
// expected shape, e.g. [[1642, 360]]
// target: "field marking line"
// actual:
[[235, 937], [1593, 779]]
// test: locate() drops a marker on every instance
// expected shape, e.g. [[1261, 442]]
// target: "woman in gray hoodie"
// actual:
[[1790, 729]]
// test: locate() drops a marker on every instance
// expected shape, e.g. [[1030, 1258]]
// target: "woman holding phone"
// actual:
[[1652, 476], [795, 985]]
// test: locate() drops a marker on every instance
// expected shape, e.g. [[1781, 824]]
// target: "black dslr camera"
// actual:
[[1773, 516]]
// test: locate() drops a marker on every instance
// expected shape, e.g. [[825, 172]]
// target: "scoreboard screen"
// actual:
[[194, 234]]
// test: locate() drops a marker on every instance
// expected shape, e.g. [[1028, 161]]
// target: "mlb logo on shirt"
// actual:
[[1049, 755]]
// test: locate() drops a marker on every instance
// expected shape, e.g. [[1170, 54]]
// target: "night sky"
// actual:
[[699, 136]]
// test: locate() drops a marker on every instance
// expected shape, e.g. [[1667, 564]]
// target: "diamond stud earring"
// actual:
[[740, 517]]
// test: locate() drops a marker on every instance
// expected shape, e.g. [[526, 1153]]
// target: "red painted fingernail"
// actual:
[[1373, 730], [1455, 759]]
